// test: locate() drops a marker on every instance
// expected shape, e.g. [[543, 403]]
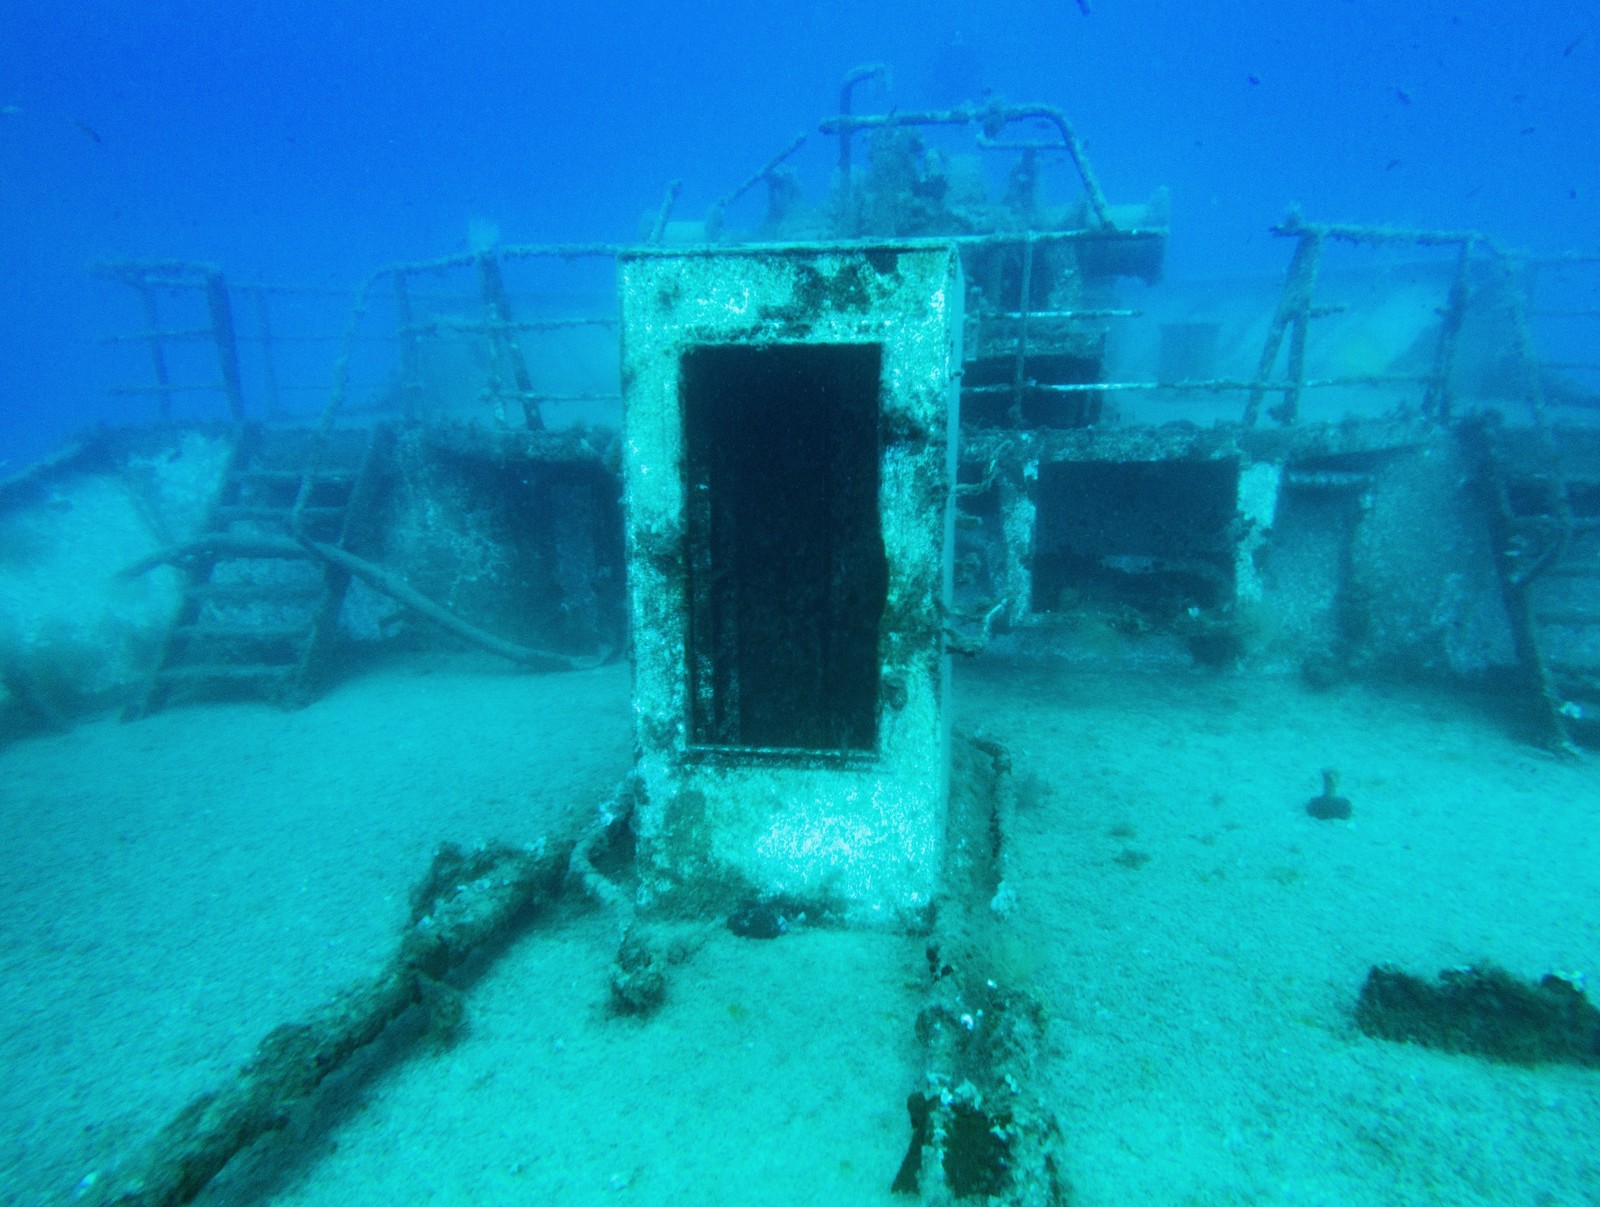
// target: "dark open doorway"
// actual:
[[787, 571]]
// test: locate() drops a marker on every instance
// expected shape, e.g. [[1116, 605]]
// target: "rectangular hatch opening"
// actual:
[[787, 574]]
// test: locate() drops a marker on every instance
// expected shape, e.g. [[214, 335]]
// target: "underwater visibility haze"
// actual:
[[841, 602]]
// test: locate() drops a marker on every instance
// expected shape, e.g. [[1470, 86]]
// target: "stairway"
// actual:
[[1545, 522], [257, 618], [1564, 605]]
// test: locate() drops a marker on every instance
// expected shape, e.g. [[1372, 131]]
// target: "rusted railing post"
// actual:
[[158, 349], [410, 353], [503, 341], [1294, 311], [222, 333]]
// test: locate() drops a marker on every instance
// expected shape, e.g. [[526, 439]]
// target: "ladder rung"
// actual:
[[1568, 617], [1543, 520], [267, 475], [244, 632], [285, 552], [225, 672], [1580, 670], [1327, 480], [240, 512], [292, 477], [271, 591]]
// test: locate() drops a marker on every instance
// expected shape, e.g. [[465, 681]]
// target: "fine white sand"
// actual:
[[175, 888]]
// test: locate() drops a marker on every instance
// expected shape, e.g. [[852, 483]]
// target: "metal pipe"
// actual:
[[221, 311], [714, 218], [1294, 306], [1019, 369], [1436, 400], [658, 229], [158, 351], [498, 305], [410, 353], [269, 369], [856, 75], [993, 118]]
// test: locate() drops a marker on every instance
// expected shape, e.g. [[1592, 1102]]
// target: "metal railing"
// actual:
[[188, 304]]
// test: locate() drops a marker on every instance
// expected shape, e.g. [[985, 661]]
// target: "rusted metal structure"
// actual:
[[151, 279], [1043, 380], [790, 442], [872, 431]]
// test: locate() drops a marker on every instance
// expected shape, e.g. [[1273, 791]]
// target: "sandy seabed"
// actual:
[[173, 889]]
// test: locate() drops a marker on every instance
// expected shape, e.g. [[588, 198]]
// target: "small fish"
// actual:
[[88, 129], [1401, 95], [11, 111], [1391, 165], [1253, 80], [1083, 7], [1574, 44], [1526, 130]]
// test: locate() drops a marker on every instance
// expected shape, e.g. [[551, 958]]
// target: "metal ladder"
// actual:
[[1546, 530], [258, 616], [1545, 526]]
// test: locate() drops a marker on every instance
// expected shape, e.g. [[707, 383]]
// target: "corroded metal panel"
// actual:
[[755, 786]]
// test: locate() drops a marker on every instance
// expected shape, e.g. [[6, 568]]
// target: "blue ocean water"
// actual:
[[172, 890], [311, 143]]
